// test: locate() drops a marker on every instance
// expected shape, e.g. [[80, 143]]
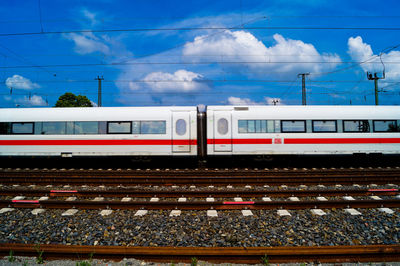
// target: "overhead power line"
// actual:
[[356, 63], [197, 81], [197, 29]]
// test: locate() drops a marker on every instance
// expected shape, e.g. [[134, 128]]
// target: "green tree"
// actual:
[[71, 100]]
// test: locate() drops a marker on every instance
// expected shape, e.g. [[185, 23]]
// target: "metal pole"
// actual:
[[303, 86], [376, 92], [99, 90]]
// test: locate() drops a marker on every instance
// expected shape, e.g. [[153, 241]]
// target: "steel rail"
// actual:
[[324, 254], [200, 205], [200, 181], [193, 193]]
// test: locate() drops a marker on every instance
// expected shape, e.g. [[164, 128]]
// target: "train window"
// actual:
[[386, 126], [5, 128], [69, 128], [22, 128], [53, 128], [119, 127], [83, 128], [324, 126], [252, 126], [152, 127], [180, 127], [102, 127], [356, 126], [135, 127], [293, 126], [222, 126], [242, 126]]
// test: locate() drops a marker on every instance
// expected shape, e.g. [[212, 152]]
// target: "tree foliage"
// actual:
[[71, 100]]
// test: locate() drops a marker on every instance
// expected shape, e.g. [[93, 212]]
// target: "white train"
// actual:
[[185, 131]]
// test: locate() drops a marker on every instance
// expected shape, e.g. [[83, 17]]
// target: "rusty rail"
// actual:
[[202, 193], [200, 205], [332, 254]]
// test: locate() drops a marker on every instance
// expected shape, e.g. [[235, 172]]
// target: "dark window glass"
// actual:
[[135, 127], [252, 126], [119, 127], [5, 128], [53, 128], [324, 126], [22, 128], [356, 126], [242, 125], [293, 126], [386, 126], [152, 127], [83, 128]]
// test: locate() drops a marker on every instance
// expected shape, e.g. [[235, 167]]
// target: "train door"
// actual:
[[222, 131], [181, 132]]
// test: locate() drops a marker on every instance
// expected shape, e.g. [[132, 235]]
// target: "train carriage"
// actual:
[[104, 131], [302, 130]]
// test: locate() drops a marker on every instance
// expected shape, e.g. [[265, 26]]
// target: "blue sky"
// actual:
[[157, 52]]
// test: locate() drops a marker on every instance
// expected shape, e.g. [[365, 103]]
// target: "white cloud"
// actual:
[[87, 43], [31, 101], [180, 81], [241, 46], [19, 82], [91, 16], [240, 101], [361, 51], [247, 101]]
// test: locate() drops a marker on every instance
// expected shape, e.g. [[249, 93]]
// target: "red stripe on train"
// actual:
[[308, 141], [239, 141], [99, 142], [342, 141]]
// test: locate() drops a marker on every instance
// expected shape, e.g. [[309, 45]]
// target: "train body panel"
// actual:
[[183, 131], [125, 131], [302, 130]]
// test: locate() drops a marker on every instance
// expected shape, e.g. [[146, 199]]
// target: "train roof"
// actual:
[[89, 113], [312, 112]]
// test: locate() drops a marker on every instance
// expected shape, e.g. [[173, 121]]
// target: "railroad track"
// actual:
[[201, 177], [324, 254], [141, 185], [79, 199]]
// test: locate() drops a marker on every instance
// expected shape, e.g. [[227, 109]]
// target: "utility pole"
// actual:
[[375, 78], [99, 90], [303, 85]]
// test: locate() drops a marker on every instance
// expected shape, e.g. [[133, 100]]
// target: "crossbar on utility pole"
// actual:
[[99, 90], [303, 90]]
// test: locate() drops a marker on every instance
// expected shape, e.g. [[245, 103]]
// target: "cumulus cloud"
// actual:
[[244, 47], [246, 101], [240, 101], [361, 51], [19, 82], [179, 81], [34, 100]]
